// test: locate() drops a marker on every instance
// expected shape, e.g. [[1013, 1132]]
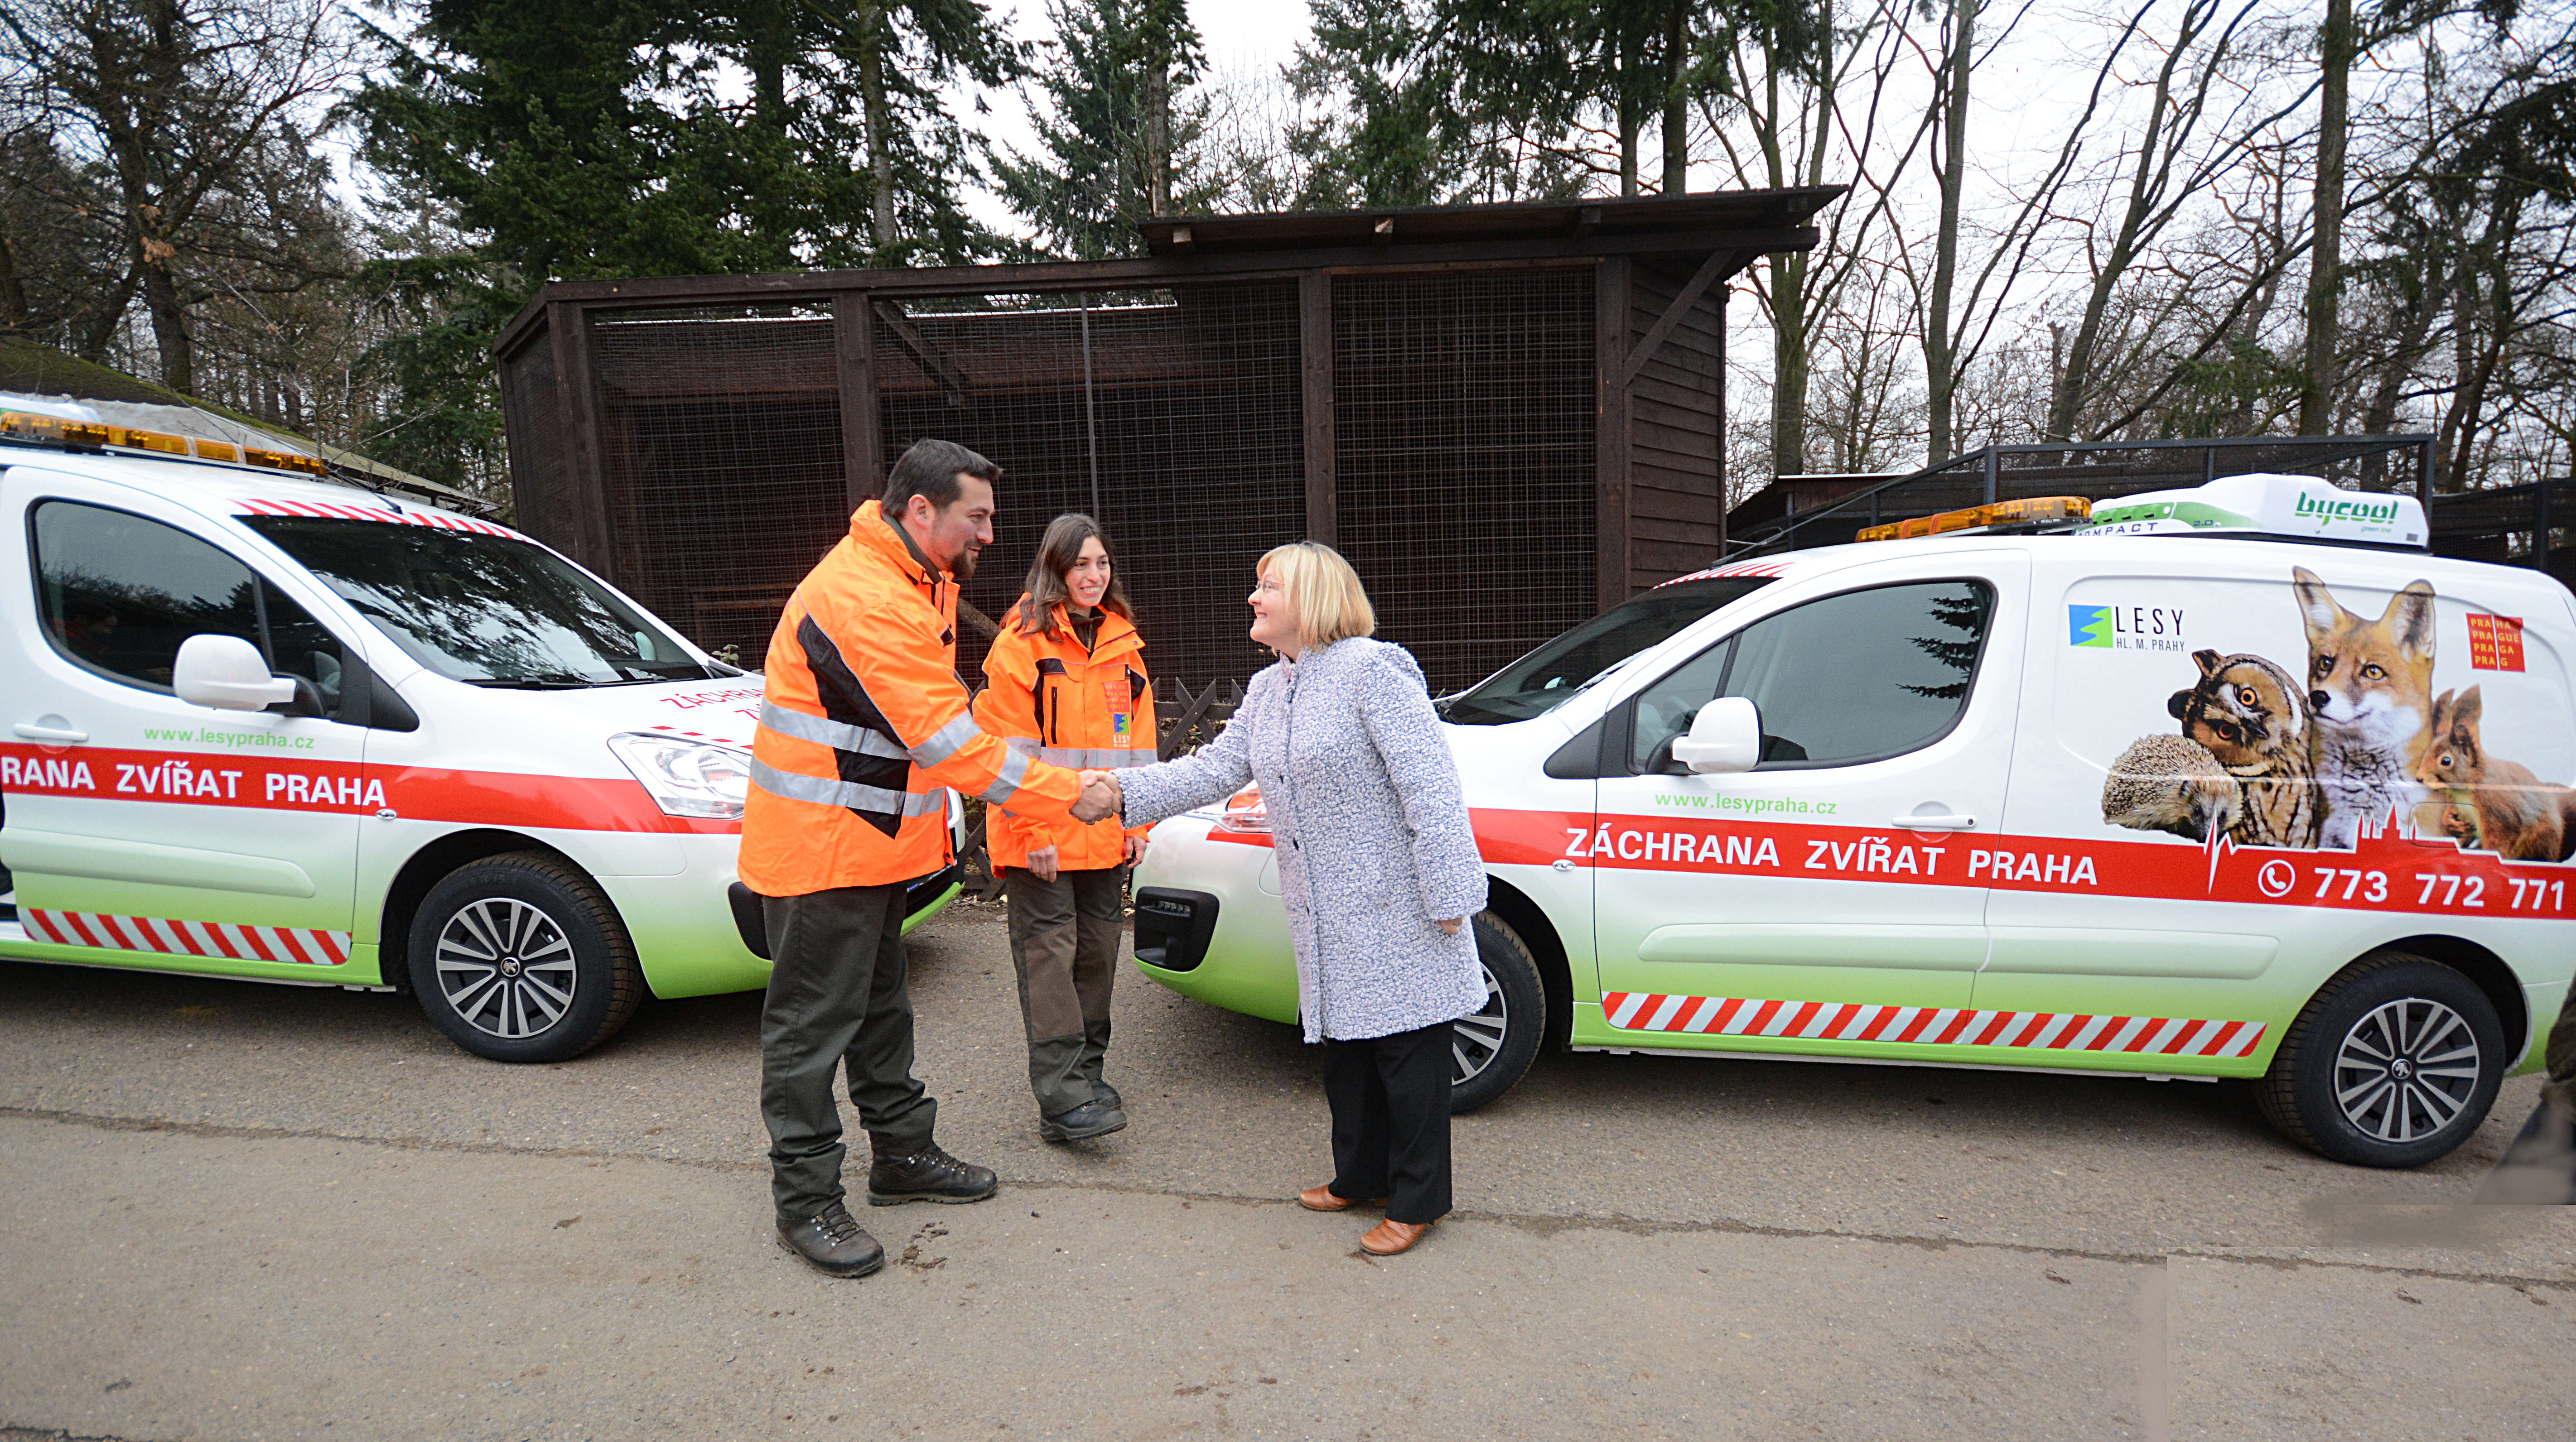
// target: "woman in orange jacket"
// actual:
[[1068, 686]]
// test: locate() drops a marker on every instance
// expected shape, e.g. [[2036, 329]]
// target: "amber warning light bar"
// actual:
[[30, 426], [2032, 510]]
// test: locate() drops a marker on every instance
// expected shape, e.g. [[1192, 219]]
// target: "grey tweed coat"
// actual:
[[1372, 833]]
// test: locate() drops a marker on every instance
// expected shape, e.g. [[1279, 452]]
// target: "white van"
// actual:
[[2232, 782], [267, 726]]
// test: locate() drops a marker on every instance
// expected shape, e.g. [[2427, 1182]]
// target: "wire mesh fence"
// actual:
[[1464, 407], [1173, 417], [720, 439]]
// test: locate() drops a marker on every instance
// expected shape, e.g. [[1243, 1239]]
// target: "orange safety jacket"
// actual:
[[865, 726], [1067, 707]]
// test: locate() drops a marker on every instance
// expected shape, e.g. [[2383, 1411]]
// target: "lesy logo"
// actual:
[[2125, 628]]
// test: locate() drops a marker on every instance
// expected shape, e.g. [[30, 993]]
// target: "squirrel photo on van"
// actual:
[[2271, 758]]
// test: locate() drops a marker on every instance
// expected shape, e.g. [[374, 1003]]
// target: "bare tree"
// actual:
[[180, 110]]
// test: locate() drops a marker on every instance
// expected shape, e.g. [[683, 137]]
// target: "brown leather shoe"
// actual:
[[1391, 1237], [1321, 1199]]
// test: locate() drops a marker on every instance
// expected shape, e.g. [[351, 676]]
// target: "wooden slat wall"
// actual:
[[1676, 417]]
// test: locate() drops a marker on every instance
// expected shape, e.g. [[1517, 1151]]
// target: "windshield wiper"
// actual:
[[535, 683]]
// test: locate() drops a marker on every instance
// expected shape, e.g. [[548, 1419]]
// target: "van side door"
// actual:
[[142, 829], [1827, 895]]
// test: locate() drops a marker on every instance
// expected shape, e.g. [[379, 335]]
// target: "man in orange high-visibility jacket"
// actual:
[[863, 728]]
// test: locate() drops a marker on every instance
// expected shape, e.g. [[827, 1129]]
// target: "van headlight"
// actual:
[[1245, 813], [687, 777]]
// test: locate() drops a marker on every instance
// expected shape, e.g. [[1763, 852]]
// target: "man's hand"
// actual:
[[1100, 798], [1135, 851], [1452, 924], [1041, 863]]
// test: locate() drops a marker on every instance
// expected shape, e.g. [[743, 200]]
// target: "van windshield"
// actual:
[[483, 609], [1545, 678]]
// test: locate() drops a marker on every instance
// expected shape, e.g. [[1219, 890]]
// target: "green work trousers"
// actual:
[[1064, 945], [837, 999]]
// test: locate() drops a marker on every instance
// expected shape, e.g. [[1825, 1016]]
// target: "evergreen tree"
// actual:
[[1118, 131]]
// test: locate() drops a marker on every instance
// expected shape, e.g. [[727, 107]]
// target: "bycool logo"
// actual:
[[2088, 625]]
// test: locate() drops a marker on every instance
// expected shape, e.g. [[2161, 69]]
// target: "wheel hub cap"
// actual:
[[2406, 1070], [506, 967]]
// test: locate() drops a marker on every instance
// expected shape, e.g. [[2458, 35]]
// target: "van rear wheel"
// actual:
[[1492, 1046], [2393, 1064], [520, 958]]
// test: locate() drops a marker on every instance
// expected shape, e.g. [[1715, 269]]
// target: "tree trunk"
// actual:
[[13, 292], [169, 326], [1158, 126], [880, 124], [1631, 120], [1676, 124], [1939, 367], [2325, 259], [1789, 372]]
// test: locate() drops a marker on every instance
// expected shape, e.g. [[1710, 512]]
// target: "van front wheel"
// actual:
[[2393, 1064], [1493, 1045], [520, 958]]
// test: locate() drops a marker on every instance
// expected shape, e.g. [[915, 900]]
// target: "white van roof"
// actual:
[[241, 490]]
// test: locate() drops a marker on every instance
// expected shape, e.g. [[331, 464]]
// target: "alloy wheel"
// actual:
[[506, 967], [1477, 1038], [2406, 1070]]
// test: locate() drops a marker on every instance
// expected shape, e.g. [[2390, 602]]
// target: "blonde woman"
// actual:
[[1378, 868]]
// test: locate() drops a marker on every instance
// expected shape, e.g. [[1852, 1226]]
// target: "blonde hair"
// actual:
[[1322, 589]]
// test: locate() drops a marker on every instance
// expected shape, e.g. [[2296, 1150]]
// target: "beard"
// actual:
[[962, 566]]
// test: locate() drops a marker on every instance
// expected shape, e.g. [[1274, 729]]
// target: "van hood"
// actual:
[[724, 710]]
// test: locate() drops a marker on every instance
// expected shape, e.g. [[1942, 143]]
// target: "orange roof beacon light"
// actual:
[[2032, 510], [87, 435]]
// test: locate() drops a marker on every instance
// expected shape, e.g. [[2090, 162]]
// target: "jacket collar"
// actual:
[[873, 530], [1117, 634]]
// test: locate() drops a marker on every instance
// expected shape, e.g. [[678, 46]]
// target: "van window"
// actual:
[[117, 593], [1849, 678]]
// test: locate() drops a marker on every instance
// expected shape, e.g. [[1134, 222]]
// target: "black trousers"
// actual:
[[837, 999], [1390, 1098]]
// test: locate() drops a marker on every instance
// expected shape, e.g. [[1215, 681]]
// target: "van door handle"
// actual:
[[1936, 821], [31, 731]]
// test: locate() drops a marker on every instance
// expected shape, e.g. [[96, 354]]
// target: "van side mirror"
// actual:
[[228, 674], [1725, 736]]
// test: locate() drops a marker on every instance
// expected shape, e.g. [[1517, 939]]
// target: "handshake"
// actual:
[[1100, 798]]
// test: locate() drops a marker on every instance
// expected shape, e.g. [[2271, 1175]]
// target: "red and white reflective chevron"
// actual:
[[1938, 1026], [337, 510], [187, 938]]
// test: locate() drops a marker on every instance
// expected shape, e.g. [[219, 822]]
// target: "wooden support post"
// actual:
[[1719, 403], [1315, 372], [854, 350], [592, 538], [1610, 429]]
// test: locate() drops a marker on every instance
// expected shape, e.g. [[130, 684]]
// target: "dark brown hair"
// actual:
[[930, 468], [1056, 555]]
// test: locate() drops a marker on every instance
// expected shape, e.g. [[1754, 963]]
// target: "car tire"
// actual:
[[2423, 1032], [520, 958], [1495, 1044]]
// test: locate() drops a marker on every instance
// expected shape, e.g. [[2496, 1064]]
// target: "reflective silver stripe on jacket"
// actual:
[[1015, 771], [944, 742], [1075, 758], [823, 791], [838, 735]]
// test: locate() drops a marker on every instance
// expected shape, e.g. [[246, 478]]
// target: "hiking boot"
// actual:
[[1091, 1119], [831, 1241], [928, 1175], [1108, 1096]]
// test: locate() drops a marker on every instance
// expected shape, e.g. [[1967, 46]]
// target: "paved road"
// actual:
[[239, 1212]]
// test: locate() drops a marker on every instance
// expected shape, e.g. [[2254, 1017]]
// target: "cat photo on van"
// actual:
[[2371, 694]]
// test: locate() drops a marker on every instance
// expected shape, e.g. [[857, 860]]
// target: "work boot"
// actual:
[[1093, 1118], [928, 1175], [1108, 1095], [832, 1242]]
